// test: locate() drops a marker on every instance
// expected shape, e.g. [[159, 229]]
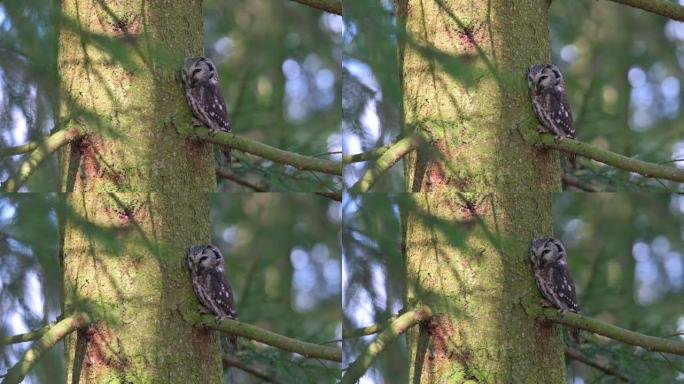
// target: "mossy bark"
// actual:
[[118, 62], [137, 192], [479, 176], [123, 263]]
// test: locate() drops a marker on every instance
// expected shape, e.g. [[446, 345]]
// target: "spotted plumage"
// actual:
[[206, 265], [550, 265], [204, 96], [550, 104]]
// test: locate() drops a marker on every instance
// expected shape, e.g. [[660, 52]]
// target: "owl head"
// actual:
[[546, 251], [204, 257], [543, 76], [199, 69]]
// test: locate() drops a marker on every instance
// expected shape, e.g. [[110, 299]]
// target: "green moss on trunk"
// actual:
[[118, 62], [123, 262], [480, 176]]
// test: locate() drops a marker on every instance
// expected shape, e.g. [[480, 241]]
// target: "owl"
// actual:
[[202, 91], [547, 91], [550, 265], [206, 266]]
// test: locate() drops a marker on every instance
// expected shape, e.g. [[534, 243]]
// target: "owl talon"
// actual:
[[197, 122]]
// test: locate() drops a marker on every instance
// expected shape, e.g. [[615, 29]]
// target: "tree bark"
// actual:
[[123, 263], [492, 191], [123, 251], [118, 63]]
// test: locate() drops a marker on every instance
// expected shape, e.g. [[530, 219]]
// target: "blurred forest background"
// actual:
[[279, 67], [626, 253], [622, 68], [282, 259]]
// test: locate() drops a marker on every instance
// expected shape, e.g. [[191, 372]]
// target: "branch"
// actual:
[[611, 158], [577, 183], [365, 156], [56, 333], [32, 161], [369, 330], [337, 196], [332, 6], [649, 343], [257, 371], [223, 174], [25, 336], [301, 162], [606, 368], [18, 150], [237, 328], [660, 7], [387, 160], [400, 325]]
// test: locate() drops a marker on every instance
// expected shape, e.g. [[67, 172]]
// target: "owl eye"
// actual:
[[545, 252], [196, 71], [543, 77], [201, 260]]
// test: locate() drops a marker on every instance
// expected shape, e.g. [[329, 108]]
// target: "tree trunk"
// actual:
[[129, 272], [118, 63], [488, 185], [123, 252]]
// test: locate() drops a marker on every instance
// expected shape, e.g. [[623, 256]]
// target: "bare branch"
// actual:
[[16, 374], [660, 7], [301, 162], [24, 337], [649, 343], [40, 153], [604, 367], [224, 174], [369, 330], [331, 6], [234, 327], [610, 158], [387, 160], [400, 325], [255, 370]]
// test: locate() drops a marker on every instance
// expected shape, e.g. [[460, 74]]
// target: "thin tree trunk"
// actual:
[[478, 176]]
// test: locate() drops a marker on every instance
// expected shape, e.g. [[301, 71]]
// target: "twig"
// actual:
[[660, 7], [610, 158], [649, 343], [400, 325], [32, 161], [365, 156], [606, 368], [16, 374], [255, 370], [387, 160], [577, 183], [332, 6], [223, 174], [267, 337], [25, 336], [337, 196], [301, 162], [369, 330], [18, 150]]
